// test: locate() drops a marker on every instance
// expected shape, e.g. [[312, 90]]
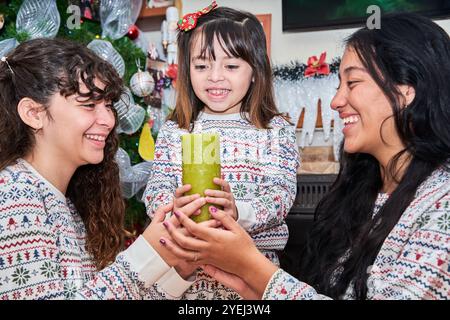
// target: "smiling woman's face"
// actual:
[[76, 129], [366, 111]]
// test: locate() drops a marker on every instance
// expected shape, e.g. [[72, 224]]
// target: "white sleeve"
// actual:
[[145, 261], [173, 284]]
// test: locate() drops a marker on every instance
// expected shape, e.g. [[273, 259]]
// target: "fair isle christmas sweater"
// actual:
[[414, 260], [42, 248], [261, 167]]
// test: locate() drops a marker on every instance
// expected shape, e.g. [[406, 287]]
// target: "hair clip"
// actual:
[[7, 63], [189, 20]]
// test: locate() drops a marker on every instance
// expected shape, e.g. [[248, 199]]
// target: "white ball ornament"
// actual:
[[142, 83]]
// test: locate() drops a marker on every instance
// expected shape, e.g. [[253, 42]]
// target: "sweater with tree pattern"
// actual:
[[414, 260], [259, 164], [42, 248]]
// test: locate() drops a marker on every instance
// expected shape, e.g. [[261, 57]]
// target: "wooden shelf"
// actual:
[[152, 12]]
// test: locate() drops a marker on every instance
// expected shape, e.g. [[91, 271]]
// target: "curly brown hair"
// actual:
[[41, 68]]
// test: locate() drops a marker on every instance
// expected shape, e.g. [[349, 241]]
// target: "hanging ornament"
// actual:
[[146, 147], [142, 83], [133, 32]]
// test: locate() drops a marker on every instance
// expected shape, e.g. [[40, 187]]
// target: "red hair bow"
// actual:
[[189, 20], [317, 66]]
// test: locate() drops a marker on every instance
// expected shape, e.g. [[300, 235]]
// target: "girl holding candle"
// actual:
[[61, 209], [225, 87], [383, 231]]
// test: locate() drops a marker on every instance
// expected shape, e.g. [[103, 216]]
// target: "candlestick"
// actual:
[[201, 164]]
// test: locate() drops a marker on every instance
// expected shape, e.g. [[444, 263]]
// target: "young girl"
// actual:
[[225, 86], [61, 210], [383, 231]]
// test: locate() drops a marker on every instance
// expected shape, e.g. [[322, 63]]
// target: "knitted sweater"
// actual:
[[42, 248], [259, 164], [414, 260]]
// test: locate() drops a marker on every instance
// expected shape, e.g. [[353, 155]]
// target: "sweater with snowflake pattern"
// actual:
[[414, 260], [42, 248], [259, 164]]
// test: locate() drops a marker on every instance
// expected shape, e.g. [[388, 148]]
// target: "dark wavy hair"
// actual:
[[42, 68], [242, 36], [408, 50]]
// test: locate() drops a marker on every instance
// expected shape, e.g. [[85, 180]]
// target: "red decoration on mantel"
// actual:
[[317, 66]]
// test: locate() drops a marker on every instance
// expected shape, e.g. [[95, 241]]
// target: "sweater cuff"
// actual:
[[272, 284], [145, 261], [173, 284], [246, 215]]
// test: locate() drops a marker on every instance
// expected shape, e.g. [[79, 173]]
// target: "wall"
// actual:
[[286, 46]]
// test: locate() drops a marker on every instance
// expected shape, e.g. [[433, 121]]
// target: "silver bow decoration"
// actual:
[[7, 45], [106, 51], [130, 114], [117, 16], [132, 178], [38, 18]]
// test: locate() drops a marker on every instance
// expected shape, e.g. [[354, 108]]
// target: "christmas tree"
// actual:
[[85, 26]]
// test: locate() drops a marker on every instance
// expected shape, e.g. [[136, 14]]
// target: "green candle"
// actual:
[[201, 163]]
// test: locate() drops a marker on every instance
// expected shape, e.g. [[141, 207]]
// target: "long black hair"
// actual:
[[408, 50]]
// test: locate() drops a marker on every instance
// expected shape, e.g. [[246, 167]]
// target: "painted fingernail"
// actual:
[[166, 225], [177, 214], [213, 209], [163, 242]]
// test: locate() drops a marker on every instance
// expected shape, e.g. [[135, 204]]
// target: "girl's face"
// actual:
[[77, 130], [220, 84], [365, 110]]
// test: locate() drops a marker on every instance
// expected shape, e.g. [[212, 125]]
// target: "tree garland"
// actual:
[[295, 70]]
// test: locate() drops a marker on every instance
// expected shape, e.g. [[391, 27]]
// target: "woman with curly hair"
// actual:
[[61, 209]]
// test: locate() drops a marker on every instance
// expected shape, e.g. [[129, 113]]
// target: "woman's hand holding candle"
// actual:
[[223, 198], [157, 228]]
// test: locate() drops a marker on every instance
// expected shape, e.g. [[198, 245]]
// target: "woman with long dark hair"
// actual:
[[383, 231]]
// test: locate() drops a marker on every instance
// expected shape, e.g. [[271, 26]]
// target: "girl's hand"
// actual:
[[180, 200], [224, 198]]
